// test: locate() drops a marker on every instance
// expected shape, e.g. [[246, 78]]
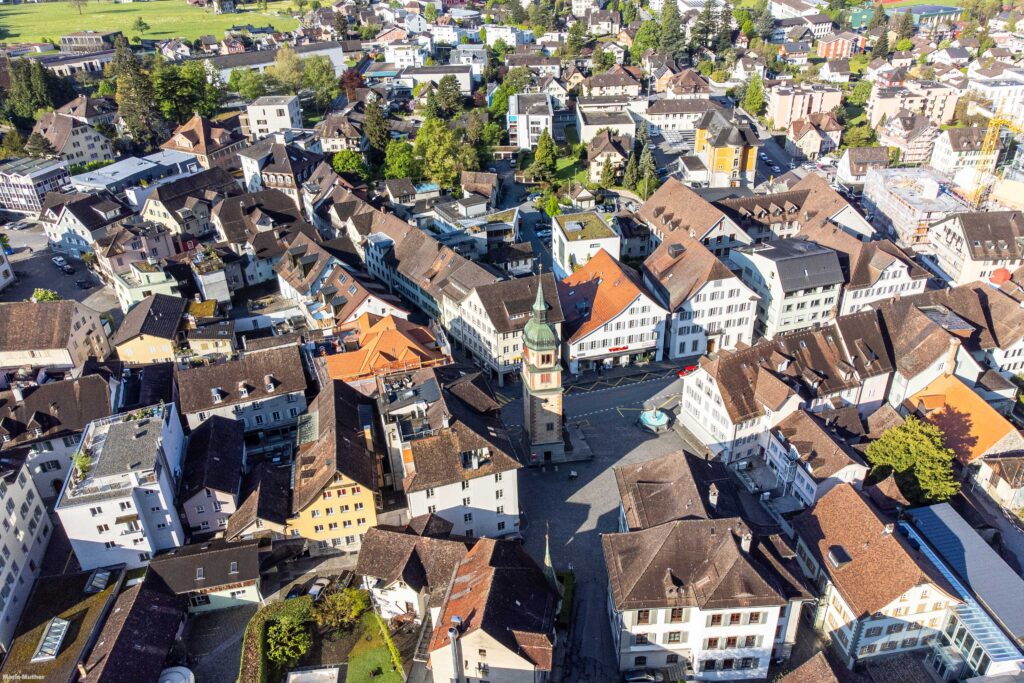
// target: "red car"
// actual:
[[687, 370]]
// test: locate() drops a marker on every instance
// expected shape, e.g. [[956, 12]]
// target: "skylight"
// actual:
[[51, 641]]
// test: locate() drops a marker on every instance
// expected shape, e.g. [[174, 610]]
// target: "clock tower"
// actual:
[[542, 384]]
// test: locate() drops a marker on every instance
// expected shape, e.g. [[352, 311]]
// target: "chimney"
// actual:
[[887, 530], [18, 391], [954, 348], [453, 637], [476, 460], [713, 496], [746, 541]]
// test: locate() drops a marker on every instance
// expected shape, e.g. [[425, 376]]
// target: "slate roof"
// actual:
[[499, 589], [658, 490], [158, 315], [26, 326], [862, 262], [993, 235], [239, 216], [282, 365], [57, 128], [214, 458], [691, 563], [507, 303], [800, 264], [815, 670], [882, 565], [177, 569], [137, 636]]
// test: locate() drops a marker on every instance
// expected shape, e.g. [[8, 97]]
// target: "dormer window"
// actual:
[[243, 390], [268, 383], [200, 574], [216, 395]]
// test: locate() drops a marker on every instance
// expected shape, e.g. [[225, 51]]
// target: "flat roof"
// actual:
[[587, 226], [29, 166]]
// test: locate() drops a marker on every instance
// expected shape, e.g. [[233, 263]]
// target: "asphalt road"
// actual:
[[34, 269]]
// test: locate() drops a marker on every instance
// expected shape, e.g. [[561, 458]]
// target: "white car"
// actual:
[[59, 261], [318, 588]]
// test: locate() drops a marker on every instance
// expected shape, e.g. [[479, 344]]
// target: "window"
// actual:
[[465, 502], [755, 618], [641, 639], [465, 485], [750, 641], [200, 509], [233, 568], [92, 511], [712, 644], [501, 526], [873, 632], [200, 573], [673, 637], [468, 517], [676, 615], [643, 616], [730, 642], [640, 661], [716, 620], [109, 544], [735, 618], [103, 528]]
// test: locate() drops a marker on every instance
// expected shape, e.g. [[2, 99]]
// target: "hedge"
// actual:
[[253, 668], [568, 580], [396, 656]]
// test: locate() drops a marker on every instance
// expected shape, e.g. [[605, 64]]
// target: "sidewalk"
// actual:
[[621, 371]]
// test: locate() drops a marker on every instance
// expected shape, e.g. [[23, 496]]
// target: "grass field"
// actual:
[[30, 22], [906, 3]]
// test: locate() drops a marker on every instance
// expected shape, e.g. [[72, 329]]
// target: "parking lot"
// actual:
[[34, 268]]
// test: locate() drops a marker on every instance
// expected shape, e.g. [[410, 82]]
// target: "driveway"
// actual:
[[32, 266]]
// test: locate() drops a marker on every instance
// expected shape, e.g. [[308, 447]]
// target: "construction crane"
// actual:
[[996, 123]]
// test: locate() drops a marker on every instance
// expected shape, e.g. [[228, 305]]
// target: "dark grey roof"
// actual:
[[801, 264], [987, 575], [158, 315], [265, 56], [214, 457], [178, 568], [507, 303], [223, 329], [129, 445]]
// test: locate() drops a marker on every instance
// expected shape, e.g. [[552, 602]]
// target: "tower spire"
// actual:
[[549, 568], [540, 307]]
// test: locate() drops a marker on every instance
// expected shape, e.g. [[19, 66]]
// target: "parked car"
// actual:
[[776, 169], [683, 372], [68, 269], [318, 588], [643, 676], [533, 196], [59, 261], [84, 284], [295, 592]]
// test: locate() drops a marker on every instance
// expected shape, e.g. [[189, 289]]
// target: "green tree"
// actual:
[[41, 294], [400, 161], [135, 97], [723, 29], [287, 641], [12, 144], [878, 17], [448, 95], [38, 146], [341, 609], [753, 98], [647, 167], [858, 136], [601, 59], [351, 81], [349, 161], [444, 156], [430, 13], [182, 91], [33, 87], [764, 25], [515, 82], [576, 40], [607, 173], [904, 44], [287, 69], [544, 158], [78, 4], [375, 127], [859, 94], [631, 174], [249, 83], [516, 13], [551, 207], [916, 452], [318, 76], [671, 40], [881, 47], [140, 26], [646, 187], [905, 25], [648, 37]]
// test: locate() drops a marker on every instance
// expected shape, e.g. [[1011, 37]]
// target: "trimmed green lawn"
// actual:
[[564, 169], [30, 22], [370, 655]]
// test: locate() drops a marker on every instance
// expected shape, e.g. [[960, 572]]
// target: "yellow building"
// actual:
[[728, 149], [149, 332], [337, 474]]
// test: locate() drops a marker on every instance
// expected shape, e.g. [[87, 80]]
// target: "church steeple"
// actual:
[[540, 307], [542, 383]]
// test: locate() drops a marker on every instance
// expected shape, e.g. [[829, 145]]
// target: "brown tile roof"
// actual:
[[822, 123], [480, 182], [507, 303], [56, 128], [863, 158], [342, 446], [385, 345], [882, 566], [500, 590], [199, 136], [675, 206], [657, 491], [993, 235], [137, 636], [596, 293], [58, 408], [689, 563], [607, 142], [423, 563], [863, 262], [815, 670], [822, 453], [265, 497], [32, 326], [681, 266], [282, 366]]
